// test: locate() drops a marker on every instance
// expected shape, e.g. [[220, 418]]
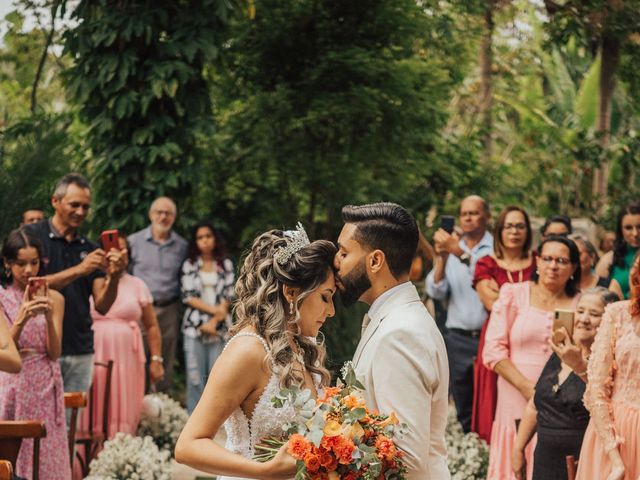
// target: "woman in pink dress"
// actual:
[[36, 393], [517, 342], [511, 262], [611, 445], [117, 337]]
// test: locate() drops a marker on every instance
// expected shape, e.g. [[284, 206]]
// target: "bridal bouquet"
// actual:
[[337, 436]]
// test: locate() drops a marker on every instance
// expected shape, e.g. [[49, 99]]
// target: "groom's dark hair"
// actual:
[[387, 227]]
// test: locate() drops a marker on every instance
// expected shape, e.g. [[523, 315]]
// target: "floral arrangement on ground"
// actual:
[[162, 419], [468, 454], [130, 458]]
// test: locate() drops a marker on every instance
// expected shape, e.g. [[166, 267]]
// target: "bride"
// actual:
[[284, 295]]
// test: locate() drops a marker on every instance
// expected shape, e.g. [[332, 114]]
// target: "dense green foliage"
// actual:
[[138, 80]]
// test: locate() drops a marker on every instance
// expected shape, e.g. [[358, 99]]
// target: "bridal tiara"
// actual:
[[296, 240]]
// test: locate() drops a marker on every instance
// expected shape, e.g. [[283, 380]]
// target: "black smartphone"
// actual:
[[447, 222]]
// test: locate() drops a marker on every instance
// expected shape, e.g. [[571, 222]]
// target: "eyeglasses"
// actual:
[[514, 226], [561, 261], [166, 213]]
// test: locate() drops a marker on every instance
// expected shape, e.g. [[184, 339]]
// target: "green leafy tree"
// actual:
[[138, 80]]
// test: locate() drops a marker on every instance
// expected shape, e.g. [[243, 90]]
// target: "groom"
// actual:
[[401, 358]]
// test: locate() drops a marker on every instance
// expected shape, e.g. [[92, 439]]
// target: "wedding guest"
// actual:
[[79, 270], [517, 341], [32, 215], [588, 258], [117, 337], [556, 410], [611, 445], [617, 263], [451, 279], [511, 262], [156, 254], [9, 357], [207, 291], [556, 225], [35, 323]]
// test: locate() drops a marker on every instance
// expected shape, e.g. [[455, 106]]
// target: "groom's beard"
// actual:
[[354, 284]]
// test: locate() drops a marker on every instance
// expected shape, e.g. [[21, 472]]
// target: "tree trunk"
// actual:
[[486, 82], [610, 56], [43, 57]]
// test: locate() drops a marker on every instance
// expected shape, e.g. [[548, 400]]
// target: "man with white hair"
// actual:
[[157, 253]]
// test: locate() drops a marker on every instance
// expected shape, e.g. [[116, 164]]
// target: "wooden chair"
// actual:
[[6, 470], [11, 434], [572, 467], [91, 440], [74, 401]]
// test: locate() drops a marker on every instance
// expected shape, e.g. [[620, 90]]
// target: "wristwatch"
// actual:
[[157, 358], [465, 258]]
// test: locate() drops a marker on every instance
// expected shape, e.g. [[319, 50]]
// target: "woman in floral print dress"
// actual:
[[36, 393]]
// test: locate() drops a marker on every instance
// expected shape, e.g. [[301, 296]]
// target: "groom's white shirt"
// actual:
[[402, 362]]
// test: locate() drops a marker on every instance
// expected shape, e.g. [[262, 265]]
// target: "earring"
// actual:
[[571, 277], [538, 272], [291, 307]]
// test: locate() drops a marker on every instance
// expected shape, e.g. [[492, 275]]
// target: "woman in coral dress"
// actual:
[[611, 445], [117, 337], [511, 262], [517, 342], [36, 393]]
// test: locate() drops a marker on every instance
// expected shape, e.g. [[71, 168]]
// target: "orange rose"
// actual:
[[328, 394], [344, 450], [312, 462], [353, 401], [299, 446], [328, 461], [385, 448]]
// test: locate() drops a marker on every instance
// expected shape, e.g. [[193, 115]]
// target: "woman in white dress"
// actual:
[[284, 294]]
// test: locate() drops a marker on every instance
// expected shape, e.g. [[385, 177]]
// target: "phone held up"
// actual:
[[37, 287], [447, 222], [110, 240], [562, 318]]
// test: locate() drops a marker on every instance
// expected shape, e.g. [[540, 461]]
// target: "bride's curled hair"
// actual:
[[260, 301]]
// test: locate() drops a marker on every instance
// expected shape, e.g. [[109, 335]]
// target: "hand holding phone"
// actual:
[[37, 287], [110, 240], [562, 318]]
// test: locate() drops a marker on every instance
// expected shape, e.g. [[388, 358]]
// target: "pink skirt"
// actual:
[[594, 461]]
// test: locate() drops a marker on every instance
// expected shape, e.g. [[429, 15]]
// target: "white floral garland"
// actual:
[[163, 420], [130, 458], [468, 454]]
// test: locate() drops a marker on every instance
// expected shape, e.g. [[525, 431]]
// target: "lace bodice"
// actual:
[[242, 433], [614, 370]]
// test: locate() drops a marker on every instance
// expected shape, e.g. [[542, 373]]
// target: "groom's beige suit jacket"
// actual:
[[402, 362]]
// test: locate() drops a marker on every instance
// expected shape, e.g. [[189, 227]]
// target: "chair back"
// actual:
[[105, 400], [572, 467], [6, 470], [73, 401], [11, 434]]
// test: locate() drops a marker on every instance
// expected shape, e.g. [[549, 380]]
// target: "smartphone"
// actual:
[[447, 222], [110, 239], [37, 287], [562, 318]]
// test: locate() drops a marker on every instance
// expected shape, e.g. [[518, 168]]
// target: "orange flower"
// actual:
[[312, 462], [385, 448], [299, 446], [329, 442], [332, 428], [351, 476], [328, 461], [344, 450], [328, 394], [391, 419], [353, 401]]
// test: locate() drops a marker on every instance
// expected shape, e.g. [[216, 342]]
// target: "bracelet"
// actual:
[[157, 358]]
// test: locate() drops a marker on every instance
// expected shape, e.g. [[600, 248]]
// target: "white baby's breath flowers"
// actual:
[[468, 454], [130, 458], [163, 423]]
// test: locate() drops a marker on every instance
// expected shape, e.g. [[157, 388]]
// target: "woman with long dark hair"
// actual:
[[207, 291], [35, 323], [617, 263], [517, 342]]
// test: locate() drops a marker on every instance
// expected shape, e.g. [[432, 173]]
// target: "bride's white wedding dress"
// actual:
[[243, 434]]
